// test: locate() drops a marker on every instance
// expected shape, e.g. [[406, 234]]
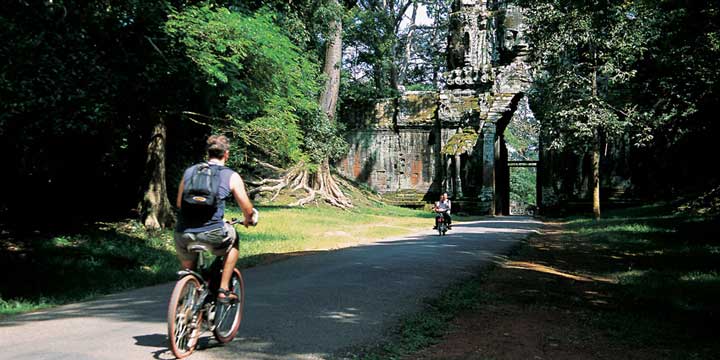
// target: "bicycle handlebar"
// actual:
[[255, 218]]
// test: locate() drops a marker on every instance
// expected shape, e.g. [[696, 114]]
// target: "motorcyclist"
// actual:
[[444, 206]]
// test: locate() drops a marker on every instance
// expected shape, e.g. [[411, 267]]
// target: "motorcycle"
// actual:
[[442, 226]]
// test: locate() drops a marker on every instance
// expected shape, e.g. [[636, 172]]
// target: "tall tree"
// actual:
[[324, 181], [373, 34], [156, 210], [588, 52], [332, 66]]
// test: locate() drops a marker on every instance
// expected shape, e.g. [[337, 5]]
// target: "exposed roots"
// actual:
[[319, 186]]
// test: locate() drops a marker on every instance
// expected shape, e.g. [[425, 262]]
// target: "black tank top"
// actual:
[[216, 221]]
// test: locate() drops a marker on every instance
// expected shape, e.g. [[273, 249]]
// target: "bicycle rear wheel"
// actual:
[[183, 323], [229, 316]]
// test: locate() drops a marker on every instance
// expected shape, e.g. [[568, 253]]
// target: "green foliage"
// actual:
[[656, 67], [678, 80], [523, 185], [378, 41], [587, 51], [266, 82]]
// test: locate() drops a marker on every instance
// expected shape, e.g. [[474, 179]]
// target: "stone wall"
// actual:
[[395, 147]]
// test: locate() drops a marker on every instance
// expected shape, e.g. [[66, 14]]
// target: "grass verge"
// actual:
[[643, 283], [44, 271]]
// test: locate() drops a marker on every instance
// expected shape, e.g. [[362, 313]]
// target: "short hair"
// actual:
[[217, 145]]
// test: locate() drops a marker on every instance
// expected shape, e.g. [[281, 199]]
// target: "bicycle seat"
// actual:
[[198, 247]]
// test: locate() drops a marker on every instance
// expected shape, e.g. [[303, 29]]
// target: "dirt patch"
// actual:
[[547, 302], [517, 332]]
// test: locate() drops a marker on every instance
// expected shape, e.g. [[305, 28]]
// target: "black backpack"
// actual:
[[200, 193]]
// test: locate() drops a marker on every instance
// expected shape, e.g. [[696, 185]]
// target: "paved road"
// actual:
[[302, 308]]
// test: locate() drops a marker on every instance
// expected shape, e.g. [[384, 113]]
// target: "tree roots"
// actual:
[[319, 186]]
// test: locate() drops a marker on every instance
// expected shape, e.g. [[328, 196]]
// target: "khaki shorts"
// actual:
[[225, 238]]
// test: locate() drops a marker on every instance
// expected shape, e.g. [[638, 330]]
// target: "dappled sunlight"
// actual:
[[439, 245], [523, 265], [701, 277], [348, 316]]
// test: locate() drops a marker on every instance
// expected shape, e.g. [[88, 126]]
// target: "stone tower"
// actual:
[[487, 76]]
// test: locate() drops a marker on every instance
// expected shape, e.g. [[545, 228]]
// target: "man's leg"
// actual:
[[231, 258], [448, 219], [230, 261], [187, 260]]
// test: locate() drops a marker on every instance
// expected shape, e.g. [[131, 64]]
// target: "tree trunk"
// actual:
[[320, 184], [596, 179], [156, 210], [435, 45], [408, 46], [333, 58], [596, 149], [324, 182]]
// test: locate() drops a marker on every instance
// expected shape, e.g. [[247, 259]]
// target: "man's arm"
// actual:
[[178, 201], [237, 187]]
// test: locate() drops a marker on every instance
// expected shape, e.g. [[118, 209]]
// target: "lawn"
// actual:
[[47, 270]]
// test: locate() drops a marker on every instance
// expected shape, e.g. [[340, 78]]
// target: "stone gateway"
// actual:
[[413, 148]]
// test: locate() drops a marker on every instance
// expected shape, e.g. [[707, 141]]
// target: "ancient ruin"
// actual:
[[412, 148]]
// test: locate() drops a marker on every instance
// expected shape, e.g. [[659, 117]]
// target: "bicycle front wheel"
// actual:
[[228, 316], [183, 322]]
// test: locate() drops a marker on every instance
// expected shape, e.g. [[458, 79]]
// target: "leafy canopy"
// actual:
[[266, 86], [587, 52]]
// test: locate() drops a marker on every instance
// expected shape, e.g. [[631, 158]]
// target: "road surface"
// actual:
[[306, 307]]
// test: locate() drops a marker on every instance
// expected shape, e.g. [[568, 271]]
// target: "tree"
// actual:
[[427, 44], [156, 209], [678, 95], [328, 103], [587, 52], [81, 93], [268, 93], [373, 35]]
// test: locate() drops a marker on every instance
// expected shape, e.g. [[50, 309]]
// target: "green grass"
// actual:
[[287, 230], [667, 271], [46, 271]]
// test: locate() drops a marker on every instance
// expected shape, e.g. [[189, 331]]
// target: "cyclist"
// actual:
[[443, 207], [208, 225]]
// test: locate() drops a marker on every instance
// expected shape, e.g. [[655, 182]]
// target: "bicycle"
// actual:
[[194, 299]]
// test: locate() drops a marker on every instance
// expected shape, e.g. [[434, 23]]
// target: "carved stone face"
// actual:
[[510, 39], [513, 26]]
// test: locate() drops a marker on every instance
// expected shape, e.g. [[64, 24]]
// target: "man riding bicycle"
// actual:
[[201, 200], [443, 207]]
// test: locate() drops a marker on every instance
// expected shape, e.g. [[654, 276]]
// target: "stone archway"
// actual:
[[496, 169]]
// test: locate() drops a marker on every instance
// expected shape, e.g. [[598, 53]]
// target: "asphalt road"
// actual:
[[306, 307]]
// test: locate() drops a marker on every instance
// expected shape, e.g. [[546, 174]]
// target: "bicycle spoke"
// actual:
[[183, 333], [223, 315]]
